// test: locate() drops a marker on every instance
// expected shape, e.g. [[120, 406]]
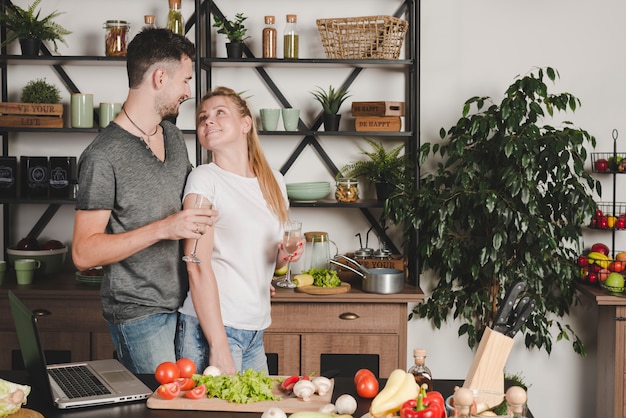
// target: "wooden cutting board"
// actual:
[[287, 404], [26, 413], [317, 290]]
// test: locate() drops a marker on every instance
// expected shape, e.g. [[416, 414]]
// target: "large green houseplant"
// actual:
[[27, 26], [505, 202]]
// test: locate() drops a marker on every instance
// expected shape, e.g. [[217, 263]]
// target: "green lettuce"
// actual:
[[12, 397], [247, 387], [324, 277]]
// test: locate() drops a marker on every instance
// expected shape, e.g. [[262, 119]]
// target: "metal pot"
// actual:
[[376, 280]]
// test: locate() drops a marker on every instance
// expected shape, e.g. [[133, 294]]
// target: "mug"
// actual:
[[291, 117], [108, 112], [25, 270], [269, 119], [82, 110]]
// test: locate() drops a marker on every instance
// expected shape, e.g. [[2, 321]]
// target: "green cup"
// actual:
[[269, 119], [108, 112], [290, 118], [3, 269], [82, 110], [25, 270]]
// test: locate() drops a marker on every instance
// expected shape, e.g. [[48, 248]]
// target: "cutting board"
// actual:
[[26, 413], [318, 290], [287, 404]]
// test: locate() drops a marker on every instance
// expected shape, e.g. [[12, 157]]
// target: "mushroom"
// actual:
[[211, 371], [304, 389], [329, 408], [274, 413], [346, 404], [322, 384]]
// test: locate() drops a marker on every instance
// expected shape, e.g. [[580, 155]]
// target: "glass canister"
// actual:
[[116, 38], [347, 190]]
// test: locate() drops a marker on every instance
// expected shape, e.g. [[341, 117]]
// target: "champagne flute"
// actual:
[[201, 202], [291, 238]]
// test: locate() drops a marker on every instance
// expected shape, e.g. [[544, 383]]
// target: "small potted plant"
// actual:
[[39, 107], [235, 31], [331, 100], [40, 91], [386, 169], [27, 26]]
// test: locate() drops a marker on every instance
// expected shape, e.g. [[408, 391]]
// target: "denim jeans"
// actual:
[[246, 347], [143, 344]]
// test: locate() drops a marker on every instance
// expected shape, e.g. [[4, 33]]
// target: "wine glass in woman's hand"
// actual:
[[291, 238], [201, 202]]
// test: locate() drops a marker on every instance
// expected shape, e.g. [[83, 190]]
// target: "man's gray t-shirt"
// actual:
[[118, 172]]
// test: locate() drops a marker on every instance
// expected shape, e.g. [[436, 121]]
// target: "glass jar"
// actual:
[[269, 38], [116, 38], [291, 38], [347, 190], [175, 21]]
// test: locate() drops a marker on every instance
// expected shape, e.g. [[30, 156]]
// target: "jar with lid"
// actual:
[[116, 37], [149, 22], [269, 38], [347, 190], [290, 38], [420, 371], [175, 21]]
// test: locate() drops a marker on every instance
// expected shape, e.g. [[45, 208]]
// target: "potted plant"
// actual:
[[40, 91], [386, 169], [235, 31], [505, 202], [331, 100], [27, 26]]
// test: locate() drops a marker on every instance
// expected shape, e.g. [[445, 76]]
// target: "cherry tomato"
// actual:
[[166, 372], [362, 373], [185, 383], [169, 390], [196, 393], [367, 387], [186, 367]]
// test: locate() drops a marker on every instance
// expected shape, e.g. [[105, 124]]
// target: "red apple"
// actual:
[[592, 277], [601, 165], [620, 223], [603, 274], [600, 248], [583, 261], [53, 245]]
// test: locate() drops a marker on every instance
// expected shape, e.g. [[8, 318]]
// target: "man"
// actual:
[[128, 210]]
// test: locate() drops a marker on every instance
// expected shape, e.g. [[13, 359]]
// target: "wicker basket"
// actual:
[[367, 37]]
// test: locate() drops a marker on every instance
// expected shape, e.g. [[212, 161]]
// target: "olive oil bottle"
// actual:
[[290, 38], [420, 371], [175, 21]]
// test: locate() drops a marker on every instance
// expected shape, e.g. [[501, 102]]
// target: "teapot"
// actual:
[[317, 250]]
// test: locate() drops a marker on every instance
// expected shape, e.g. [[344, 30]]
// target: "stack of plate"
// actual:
[[308, 192], [91, 276]]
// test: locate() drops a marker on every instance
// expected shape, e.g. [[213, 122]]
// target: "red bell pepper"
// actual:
[[427, 405]]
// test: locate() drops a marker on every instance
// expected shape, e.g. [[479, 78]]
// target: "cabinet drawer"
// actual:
[[337, 317]]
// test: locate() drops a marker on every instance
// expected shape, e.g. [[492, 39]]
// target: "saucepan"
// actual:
[[376, 280]]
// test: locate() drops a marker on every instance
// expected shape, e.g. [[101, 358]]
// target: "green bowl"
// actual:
[[52, 261]]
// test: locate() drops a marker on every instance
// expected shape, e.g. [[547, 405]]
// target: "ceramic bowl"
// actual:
[[308, 192], [51, 260]]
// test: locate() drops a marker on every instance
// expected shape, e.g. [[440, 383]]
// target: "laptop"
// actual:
[[101, 382]]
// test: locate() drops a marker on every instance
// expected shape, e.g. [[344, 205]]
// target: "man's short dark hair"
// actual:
[[155, 45]]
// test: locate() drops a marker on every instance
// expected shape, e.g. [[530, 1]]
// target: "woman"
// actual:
[[228, 305]]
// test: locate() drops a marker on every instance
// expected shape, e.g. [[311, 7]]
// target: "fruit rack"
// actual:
[[603, 265]]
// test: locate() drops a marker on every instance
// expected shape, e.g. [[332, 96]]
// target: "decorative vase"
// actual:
[[234, 50], [30, 47], [331, 122], [384, 190]]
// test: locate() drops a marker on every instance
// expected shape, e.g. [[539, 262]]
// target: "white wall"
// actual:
[[467, 48]]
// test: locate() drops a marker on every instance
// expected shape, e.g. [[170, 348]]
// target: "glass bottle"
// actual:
[[420, 371], [116, 37], [269, 38], [291, 38], [149, 22], [463, 401], [516, 402], [175, 21]]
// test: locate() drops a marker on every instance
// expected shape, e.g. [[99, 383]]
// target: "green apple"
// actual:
[[615, 282], [281, 271]]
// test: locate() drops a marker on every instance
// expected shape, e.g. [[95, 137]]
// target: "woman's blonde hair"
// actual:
[[260, 167]]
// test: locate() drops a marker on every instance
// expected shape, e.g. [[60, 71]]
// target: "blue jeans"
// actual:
[[246, 347], [143, 344]]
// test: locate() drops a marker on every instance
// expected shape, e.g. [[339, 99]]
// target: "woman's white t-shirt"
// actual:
[[246, 235]]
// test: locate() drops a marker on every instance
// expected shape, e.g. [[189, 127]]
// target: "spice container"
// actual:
[[347, 190], [269, 38], [291, 38], [116, 37], [149, 22], [175, 21]]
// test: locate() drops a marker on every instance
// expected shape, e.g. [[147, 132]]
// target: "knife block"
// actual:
[[487, 370]]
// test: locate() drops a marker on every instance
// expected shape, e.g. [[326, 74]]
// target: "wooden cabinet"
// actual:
[[307, 328], [304, 327], [611, 353]]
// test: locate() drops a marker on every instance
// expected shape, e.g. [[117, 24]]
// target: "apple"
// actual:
[[621, 256], [281, 271], [27, 244], [583, 261], [53, 245], [592, 277], [601, 165], [620, 223], [600, 248], [603, 274], [615, 282]]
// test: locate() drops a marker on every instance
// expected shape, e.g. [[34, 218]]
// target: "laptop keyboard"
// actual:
[[78, 381]]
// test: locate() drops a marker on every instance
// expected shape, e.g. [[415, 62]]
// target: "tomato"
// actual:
[[169, 390], [166, 372], [196, 393], [362, 373], [185, 383], [186, 367], [367, 387]]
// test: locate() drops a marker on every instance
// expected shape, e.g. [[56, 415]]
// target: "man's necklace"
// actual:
[[156, 128]]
